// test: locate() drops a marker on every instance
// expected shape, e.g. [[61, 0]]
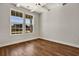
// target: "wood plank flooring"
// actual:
[[39, 47]]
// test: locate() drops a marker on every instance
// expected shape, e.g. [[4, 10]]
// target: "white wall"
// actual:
[[61, 24], [5, 37]]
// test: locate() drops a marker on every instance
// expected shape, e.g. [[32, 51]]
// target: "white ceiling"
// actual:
[[35, 7]]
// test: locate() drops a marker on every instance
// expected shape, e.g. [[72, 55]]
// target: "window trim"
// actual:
[[31, 23], [10, 21], [23, 31]]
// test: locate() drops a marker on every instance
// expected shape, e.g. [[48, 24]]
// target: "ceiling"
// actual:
[[38, 7]]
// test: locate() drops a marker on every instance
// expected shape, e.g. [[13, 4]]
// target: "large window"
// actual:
[[28, 23], [20, 23]]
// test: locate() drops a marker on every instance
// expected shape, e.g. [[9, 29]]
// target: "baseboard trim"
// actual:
[[61, 42], [16, 42], [52, 40]]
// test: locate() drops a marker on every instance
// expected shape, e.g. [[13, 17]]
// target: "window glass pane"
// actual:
[[13, 13], [20, 14], [28, 22], [28, 25], [16, 20], [28, 16], [17, 14], [16, 24]]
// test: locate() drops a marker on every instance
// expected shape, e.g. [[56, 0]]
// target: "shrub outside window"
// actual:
[[18, 21]]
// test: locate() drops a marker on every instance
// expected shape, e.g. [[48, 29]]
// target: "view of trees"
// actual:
[[17, 23]]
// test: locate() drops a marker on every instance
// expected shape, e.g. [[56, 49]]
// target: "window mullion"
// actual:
[[23, 26]]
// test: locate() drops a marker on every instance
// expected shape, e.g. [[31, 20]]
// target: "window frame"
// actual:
[[10, 21], [31, 22], [23, 25]]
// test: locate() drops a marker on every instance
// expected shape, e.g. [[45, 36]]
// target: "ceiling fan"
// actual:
[[63, 4], [37, 7], [34, 7]]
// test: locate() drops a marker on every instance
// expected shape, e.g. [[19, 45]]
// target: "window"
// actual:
[[16, 22], [20, 23], [28, 23]]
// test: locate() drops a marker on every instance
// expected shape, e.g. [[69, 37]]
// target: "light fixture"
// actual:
[[64, 4], [17, 5], [34, 7]]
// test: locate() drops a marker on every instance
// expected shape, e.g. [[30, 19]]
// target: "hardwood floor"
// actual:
[[39, 47]]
